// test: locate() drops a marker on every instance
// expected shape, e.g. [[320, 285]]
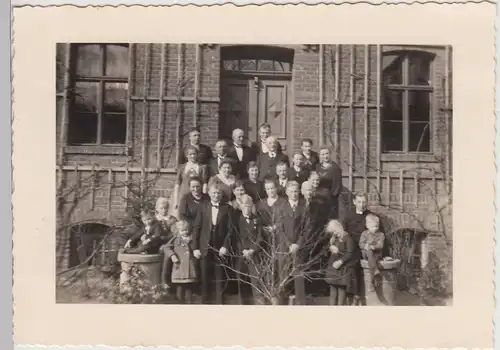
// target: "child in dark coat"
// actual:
[[149, 239], [179, 250], [343, 265]]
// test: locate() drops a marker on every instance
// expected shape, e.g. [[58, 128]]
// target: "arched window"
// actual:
[[85, 239], [98, 109], [407, 102]]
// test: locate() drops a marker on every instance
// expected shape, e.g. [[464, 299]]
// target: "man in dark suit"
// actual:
[[267, 162], [241, 153], [212, 231], [311, 158], [260, 147], [221, 149], [295, 227], [204, 151]]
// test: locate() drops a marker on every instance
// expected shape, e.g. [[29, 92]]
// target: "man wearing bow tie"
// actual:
[[220, 155], [241, 153], [267, 162], [212, 231]]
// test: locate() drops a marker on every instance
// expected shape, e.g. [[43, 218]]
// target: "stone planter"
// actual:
[[386, 292], [149, 264]]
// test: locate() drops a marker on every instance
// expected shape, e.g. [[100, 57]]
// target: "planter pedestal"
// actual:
[[149, 264], [386, 292]]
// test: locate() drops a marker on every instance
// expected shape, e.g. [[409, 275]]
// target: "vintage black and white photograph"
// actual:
[[314, 174]]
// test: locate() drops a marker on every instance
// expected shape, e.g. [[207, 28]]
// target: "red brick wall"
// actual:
[[305, 123]]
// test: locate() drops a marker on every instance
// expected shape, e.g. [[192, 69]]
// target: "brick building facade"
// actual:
[[123, 112]]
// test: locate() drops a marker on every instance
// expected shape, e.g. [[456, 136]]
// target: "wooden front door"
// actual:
[[247, 102]]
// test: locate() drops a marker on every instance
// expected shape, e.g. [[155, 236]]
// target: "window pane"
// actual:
[[86, 97], [248, 65], [419, 105], [419, 69], [392, 136], [393, 105], [88, 60], [419, 137], [117, 61], [392, 67], [115, 97], [266, 65], [82, 128], [230, 65], [114, 128]]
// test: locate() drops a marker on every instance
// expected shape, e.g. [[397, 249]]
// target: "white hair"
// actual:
[[238, 131]]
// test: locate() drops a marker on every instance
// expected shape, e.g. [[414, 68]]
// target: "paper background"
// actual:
[[468, 323]]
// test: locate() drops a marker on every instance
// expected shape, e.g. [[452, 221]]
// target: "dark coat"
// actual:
[[249, 234], [188, 207], [347, 275], [267, 165], [313, 160], [184, 271], [295, 224], [204, 237], [240, 165], [299, 176], [153, 246], [204, 154], [254, 190]]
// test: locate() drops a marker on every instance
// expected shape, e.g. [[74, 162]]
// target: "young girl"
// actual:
[[190, 169], [180, 252], [343, 265]]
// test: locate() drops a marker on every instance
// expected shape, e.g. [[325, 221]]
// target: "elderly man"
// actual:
[[267, 161], [241, 153]]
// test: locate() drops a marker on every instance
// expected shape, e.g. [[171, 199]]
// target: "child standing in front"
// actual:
[[371, 243], [343, 265], [179, 250]]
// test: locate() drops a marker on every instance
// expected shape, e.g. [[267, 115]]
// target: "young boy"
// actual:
[[298, 171], [282, 178], [311, 158], [253, 187], [248, 243], [149, 239], [371, 243]]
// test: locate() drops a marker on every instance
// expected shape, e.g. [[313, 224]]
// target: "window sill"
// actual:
[[405, 157], [97, 150]]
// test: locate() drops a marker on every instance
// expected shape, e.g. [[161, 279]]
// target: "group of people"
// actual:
[[232, 210]]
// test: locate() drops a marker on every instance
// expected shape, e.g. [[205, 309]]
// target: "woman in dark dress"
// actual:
[[253, 187], [330, 179], [188, 206], [343, 265]]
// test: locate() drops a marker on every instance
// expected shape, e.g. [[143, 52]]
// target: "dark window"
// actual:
[[98, 113], [407, 100], [88, 240]]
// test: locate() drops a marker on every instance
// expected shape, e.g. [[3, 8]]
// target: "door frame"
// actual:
[[249, 76]]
